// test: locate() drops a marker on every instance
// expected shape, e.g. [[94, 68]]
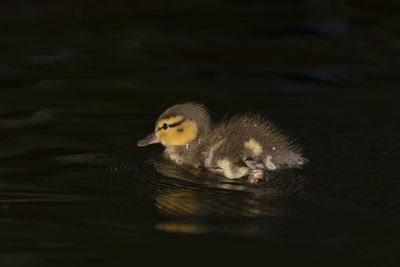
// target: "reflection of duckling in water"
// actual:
[[243, 145]]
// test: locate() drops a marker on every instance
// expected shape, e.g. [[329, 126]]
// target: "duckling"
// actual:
[[245, 145]]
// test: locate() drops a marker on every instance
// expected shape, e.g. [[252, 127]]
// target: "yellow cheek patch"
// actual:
[[169, 120], [254, 147], [180, 135]]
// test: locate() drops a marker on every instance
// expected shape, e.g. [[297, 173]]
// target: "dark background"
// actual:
[[82, 81]]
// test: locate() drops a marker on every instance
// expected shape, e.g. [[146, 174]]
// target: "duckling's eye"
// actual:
[[165, 126]]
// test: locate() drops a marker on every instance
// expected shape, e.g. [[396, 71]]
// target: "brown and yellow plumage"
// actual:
[[244, 145]]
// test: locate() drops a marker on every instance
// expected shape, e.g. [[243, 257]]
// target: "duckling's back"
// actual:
[[250, 137]]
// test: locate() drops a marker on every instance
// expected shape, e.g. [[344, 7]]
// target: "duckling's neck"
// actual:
[[188, 154]]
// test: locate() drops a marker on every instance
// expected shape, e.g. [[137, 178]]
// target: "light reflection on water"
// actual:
[[81, 83], [202, 195], [62, 197]]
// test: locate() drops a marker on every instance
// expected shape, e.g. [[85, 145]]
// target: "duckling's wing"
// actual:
[[267, 144]]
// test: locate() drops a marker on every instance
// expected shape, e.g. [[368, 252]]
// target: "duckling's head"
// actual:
[[179, 125]]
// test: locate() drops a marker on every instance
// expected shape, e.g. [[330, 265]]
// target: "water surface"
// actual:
[[81, 84]]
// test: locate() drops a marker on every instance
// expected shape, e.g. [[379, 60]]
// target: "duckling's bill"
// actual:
[[148, 140]]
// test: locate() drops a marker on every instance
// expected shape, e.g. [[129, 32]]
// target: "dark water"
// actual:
[[82, 82]]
